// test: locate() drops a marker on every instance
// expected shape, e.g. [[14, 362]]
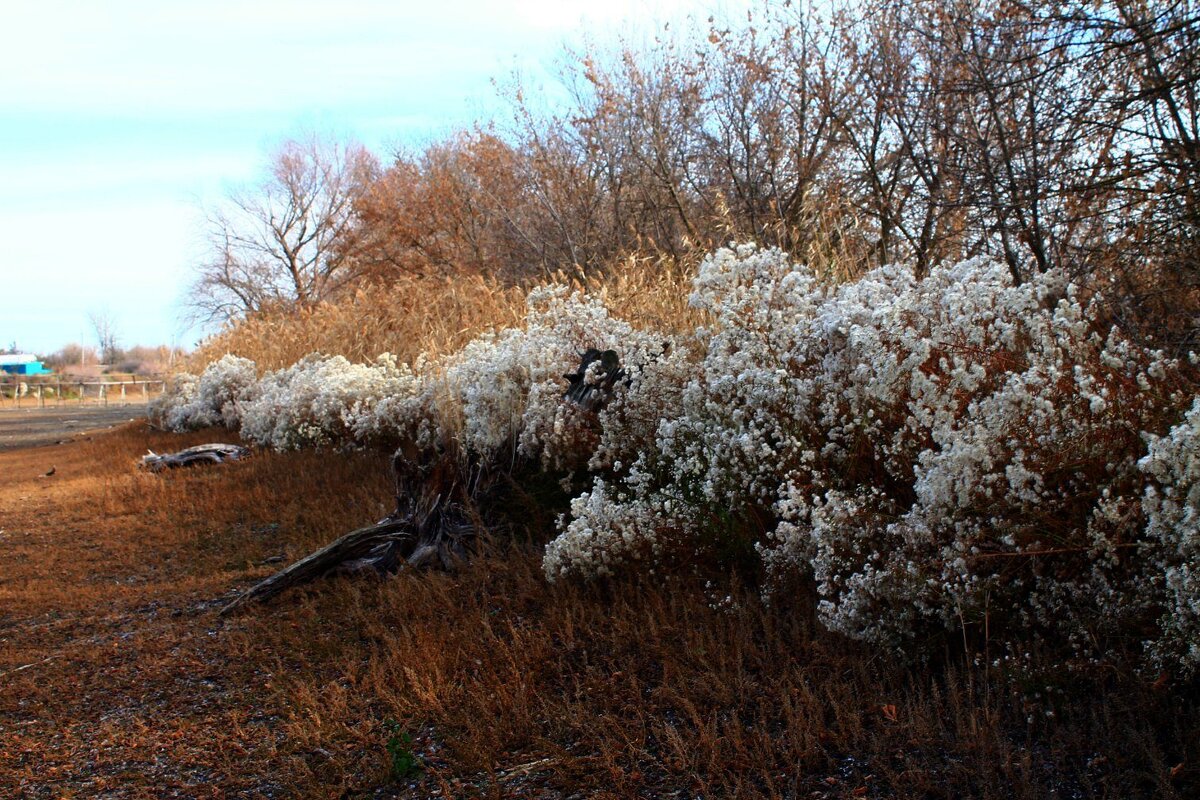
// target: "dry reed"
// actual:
[[436, 316]]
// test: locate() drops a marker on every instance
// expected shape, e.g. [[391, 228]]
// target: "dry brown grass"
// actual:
[[437, 316], [118, 680], [405, 319]]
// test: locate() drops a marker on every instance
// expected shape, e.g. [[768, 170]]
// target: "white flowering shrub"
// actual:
[[945, 450], [215, 397], [396, 405], [935, 451], [612, 527], [510, 384], [324, 400], [166, 410], [995, 429], [1172, 507], [704, 429]]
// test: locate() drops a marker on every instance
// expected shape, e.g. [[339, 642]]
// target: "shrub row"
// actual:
[[947, 451]]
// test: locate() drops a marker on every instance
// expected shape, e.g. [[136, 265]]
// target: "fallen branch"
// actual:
[[355, 547], [200, 454], [27, 666]]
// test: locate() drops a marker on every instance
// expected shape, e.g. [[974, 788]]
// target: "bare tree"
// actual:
[[289, 238], [107, 338]]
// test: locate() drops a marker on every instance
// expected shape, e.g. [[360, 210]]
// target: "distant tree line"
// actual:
[[139, 359], [1044, 133]]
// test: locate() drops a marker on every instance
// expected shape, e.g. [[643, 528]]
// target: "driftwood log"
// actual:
[[441, 504], [200, 454]]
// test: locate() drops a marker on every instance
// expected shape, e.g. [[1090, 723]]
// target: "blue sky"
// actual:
[[120, 120]]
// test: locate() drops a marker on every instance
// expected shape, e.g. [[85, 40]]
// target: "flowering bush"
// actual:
[[510, 385], [1172, 507], [323, 400], [215, 397], [934, 451], [927, 451]]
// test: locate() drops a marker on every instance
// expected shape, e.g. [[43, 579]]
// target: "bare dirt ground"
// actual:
[[33, 427]]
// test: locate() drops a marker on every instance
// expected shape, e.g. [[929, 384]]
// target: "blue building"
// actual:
[[22, 364]]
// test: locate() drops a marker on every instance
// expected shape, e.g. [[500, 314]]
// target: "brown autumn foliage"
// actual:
[[446, 211], [1046, 134], [118, 679], [1053, 133]]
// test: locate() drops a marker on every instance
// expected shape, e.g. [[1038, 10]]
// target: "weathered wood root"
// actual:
[[200, 454], [591, 394], [357, 545], [428, 529]]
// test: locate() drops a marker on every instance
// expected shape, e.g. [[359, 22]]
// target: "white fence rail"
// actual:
[[49, 391]]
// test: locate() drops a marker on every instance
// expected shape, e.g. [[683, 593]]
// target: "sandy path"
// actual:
[[33, 427]]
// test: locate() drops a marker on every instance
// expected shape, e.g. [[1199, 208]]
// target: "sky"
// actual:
[[120, 121]]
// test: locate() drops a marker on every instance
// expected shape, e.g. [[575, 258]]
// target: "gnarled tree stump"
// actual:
[[591, 392], [434, 521]]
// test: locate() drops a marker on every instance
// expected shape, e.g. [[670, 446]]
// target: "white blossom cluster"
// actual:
[[940, 450], [317, 401], [501, 394], [324, 400], [510, 385], [611, 528], [1172, 507], [215, 397], [947, 449]]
